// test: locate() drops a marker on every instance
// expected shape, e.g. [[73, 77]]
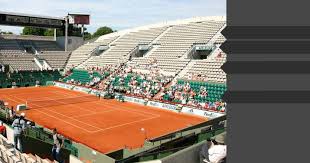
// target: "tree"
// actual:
[[34, 31], [5, 32], [87, 36], [49, 32], [102, 31], [8, 32]]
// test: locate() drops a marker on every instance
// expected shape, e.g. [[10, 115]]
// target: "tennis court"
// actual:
[[104, 125]]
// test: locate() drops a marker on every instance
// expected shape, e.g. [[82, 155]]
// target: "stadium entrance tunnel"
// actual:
[[200, 51], [100, 49], [140, 51]]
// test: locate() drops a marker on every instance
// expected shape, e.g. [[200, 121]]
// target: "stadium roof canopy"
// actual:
[[31, 15], [21, 19]]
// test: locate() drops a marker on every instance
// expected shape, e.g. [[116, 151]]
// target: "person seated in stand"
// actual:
[[206, 106], [217, 150], [2, 129], [12, 113], [204, 153]]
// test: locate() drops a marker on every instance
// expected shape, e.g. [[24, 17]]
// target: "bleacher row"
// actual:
[[9, 154], [56, 59], [84, 52], [14, 51], [120, 49], [19, 62], [209, 69], [168, 44]]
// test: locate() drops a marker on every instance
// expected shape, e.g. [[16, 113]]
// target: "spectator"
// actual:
[[19, 125], [204, 154], [135, 83], [58, 144], [218, 149], [7, 114], [2, 129], [12, 113]]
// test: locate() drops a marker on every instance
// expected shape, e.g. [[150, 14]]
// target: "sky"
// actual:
[[117, 14]]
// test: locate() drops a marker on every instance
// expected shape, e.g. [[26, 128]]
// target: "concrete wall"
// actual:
[[73, 42], [187, 155], [154, 161], [88, 155], [9, 133], [73, 159]]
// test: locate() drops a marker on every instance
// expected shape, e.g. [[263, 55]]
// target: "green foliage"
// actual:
[[49, 32], [41, 31], [102, 31], [5, 32], [73, 31], [34, 31], [87, 36]]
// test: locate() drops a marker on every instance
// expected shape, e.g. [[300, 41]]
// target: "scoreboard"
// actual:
[[17, 19], [41, 21], [79, 19], [28, 20]]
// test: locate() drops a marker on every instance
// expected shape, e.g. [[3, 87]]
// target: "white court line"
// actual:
[[69, 118], [58, 118], [84, 115], [120, 125], [119, 107], [116, 108], [108, 128], [124, 124], [74, 104], [64, 93], [65, 121], [125, 109], [65, 116]]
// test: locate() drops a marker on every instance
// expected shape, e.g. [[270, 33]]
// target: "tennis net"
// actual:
[[61, 101]]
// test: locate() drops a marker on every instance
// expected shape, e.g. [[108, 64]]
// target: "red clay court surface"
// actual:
[[104, 125]]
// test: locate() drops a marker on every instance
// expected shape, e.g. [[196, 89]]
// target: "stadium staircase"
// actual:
[[154, 42], [91, 57], [189, 52], [193, 62], [179, 75], [154, 47], [158, 95], [185, 70]]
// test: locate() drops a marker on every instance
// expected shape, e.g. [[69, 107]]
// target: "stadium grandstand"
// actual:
[[146, 94]]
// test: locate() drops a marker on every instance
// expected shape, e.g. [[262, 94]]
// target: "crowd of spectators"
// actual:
[[94, 80], [184, 94], [124, 80], [102, 69]]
